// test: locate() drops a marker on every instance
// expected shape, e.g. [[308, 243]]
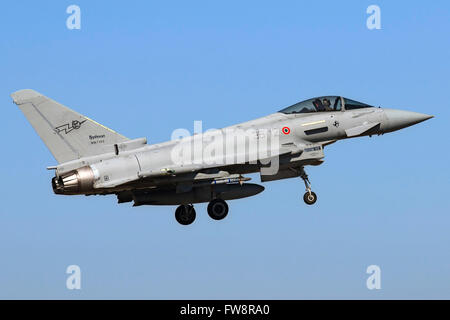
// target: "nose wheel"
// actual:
[[309, 197], [185, 214]]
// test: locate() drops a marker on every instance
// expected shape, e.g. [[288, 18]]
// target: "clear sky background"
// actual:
[[145, 68]]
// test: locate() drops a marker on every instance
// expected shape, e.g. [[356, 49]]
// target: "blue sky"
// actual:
[[145, 68]]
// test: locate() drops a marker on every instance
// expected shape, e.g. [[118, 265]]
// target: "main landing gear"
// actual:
[[185, 214], [309, 197], [217, 210]]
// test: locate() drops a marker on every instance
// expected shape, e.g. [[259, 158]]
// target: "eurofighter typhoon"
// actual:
[[205, 167]]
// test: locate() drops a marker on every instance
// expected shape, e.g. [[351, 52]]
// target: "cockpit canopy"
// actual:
[[325, 104]]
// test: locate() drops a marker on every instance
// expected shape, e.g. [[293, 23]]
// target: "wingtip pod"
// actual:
[[21, 96]]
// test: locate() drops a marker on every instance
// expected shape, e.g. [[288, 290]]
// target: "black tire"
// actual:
[[185, 214], [310, 199], [217, 209]]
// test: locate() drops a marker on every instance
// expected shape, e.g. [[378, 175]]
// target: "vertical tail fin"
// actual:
[[67, 134]]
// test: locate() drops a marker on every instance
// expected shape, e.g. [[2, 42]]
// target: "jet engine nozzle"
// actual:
[[74, 182]]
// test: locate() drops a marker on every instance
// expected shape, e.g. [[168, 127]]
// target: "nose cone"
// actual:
[[399, 119]]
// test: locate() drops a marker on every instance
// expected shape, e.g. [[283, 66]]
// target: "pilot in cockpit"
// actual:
[[326, 104]]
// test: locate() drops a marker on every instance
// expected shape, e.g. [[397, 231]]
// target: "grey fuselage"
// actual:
[[302, 137]]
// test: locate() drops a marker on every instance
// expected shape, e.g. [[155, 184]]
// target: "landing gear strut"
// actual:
[[185, 214], [309, 197], [217, 209]]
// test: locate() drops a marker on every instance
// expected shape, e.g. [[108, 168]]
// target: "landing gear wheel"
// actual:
[[185, 214], [217, 209], [310, 198]]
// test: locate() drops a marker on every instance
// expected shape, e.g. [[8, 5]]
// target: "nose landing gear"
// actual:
[[309, 197]]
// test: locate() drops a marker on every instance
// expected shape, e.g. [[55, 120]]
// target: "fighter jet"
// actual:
[[204, 167]]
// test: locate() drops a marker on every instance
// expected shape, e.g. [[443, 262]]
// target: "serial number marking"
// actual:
[[97, 139], [98, 142]]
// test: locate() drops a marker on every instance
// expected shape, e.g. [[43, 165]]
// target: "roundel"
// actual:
[[286, 130]]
